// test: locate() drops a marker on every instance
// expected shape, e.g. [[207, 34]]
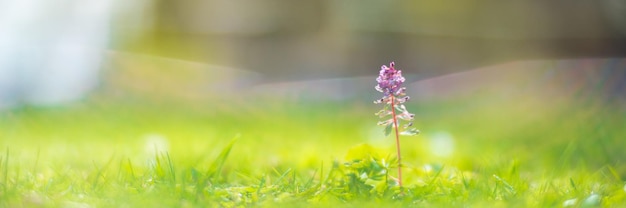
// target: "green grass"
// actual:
[[142, 153]]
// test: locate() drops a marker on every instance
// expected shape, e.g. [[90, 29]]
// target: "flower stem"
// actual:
[[395, 125]]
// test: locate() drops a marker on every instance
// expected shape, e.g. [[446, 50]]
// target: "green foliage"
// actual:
[[365, 174], [388, 129], [216, 167], [410, 132], [305, 155]]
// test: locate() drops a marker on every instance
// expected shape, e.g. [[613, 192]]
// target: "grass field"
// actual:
[[484, 151]]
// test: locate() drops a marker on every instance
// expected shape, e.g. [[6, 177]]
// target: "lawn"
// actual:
[[477, 150]]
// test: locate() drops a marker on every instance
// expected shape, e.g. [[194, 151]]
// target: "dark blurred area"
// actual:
[[289, 40], [54, 53]]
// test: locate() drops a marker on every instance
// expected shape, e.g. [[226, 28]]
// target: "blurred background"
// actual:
[[479, 71], [51, 53]]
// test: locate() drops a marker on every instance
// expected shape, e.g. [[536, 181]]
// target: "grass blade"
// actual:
[[216, 168]]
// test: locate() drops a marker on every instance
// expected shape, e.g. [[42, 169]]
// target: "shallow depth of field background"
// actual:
[[538, 85]]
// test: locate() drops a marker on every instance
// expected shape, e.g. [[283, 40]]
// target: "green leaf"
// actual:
[[410, 132], [388, 129], [216, 167], [592, 201], [378, 186]]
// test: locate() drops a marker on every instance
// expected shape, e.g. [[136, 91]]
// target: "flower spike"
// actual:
[[390, 83]]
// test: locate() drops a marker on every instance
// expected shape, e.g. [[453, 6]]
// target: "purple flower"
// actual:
[[389, 79], [390, 82]]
